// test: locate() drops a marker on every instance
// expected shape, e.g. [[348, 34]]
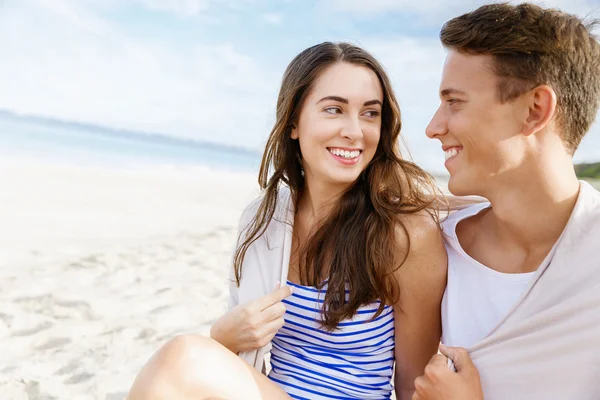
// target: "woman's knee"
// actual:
[[186, 363], [191, 356]]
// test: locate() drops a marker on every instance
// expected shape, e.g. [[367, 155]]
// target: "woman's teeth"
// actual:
[[345, 153]]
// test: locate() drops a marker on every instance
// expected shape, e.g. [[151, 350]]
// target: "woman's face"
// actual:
[[339, 124]]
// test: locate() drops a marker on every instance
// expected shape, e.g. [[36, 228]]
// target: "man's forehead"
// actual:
[[463, 72], [463, 59]]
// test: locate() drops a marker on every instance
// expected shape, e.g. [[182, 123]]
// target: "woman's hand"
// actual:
[[253, 325]]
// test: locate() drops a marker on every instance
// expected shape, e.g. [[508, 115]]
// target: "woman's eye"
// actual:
[[332, 110], [372, 113]]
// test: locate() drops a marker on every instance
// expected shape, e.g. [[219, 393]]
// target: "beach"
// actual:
[[101, 266]]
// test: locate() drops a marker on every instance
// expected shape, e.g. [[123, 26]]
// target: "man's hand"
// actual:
[[441, 383]]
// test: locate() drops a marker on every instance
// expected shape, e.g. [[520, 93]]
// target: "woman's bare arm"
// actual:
[[422, 281]]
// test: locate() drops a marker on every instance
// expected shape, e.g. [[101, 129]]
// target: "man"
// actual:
[[520, 89]]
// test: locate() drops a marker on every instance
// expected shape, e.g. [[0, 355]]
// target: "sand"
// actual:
[[99, 267]]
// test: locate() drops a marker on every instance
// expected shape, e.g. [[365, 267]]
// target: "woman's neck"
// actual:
[[317, 200]]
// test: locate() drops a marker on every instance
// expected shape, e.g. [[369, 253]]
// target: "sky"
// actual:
[[210, 69]]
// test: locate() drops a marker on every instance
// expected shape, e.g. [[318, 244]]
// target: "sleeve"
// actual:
[[245, 220]]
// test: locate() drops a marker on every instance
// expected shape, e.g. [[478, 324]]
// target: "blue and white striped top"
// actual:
[[353, 362]]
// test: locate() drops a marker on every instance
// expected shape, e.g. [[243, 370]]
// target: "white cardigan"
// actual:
[[266, 262]]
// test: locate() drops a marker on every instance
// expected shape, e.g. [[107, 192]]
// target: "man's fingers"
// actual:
[[437, 369], [274, 297], [460, 356], [422, 387], [438, 359]]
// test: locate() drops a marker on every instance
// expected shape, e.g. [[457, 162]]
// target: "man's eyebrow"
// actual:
[[450, 91]]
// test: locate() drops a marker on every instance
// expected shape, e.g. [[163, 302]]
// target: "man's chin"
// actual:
[[459, 187]]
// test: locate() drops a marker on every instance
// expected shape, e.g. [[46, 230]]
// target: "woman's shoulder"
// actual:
[[283, 206], [282, 203], [425, 246], [422, 227], [248, 214]]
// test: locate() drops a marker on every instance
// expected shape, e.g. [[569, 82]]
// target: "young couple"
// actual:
[[341, 272]]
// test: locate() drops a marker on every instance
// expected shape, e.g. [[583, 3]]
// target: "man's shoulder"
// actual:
[[585, 218], [449, 223], [590, 197]]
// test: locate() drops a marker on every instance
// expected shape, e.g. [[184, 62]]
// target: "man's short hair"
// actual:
[[533, 46]]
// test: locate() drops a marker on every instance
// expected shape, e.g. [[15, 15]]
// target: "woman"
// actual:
[[347, 227]]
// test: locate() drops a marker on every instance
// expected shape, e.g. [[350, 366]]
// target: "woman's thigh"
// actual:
[[194, 367]]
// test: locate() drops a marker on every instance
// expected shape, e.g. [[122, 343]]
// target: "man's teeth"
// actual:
[[345, 153], [451, 152]]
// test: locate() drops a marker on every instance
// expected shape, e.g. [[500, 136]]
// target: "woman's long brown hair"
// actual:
[[356, 245]]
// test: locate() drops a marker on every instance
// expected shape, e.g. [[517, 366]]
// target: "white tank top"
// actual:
[[477, 297]]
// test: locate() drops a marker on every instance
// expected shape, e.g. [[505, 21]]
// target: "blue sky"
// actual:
[[210, 69]]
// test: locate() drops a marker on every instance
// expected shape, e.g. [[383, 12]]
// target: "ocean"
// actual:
[[45, 140], [34, 139]]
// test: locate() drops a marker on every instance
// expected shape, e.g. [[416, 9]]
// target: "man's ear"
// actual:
[[541, 106]]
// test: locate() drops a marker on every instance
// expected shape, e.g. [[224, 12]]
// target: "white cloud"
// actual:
[[59, 67], [189, 8], [274, 18], [183, 8], [441, 10], [70, 12], [64, 61], [431, 7]]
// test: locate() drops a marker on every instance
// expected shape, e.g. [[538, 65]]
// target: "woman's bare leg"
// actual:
[[194, 367]]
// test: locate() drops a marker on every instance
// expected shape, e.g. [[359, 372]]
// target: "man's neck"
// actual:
[[530, 210]]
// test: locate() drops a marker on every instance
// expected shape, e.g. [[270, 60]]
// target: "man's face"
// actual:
[[480, 135]]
